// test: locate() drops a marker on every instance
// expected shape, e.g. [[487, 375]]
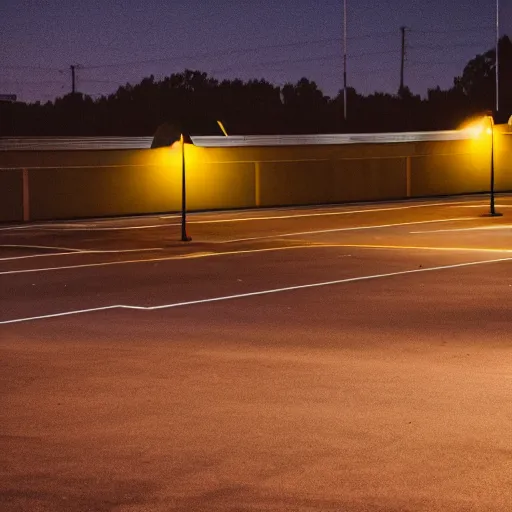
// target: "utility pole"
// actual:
[[497, 55], [402, 61], [345, 59], [73, 81]]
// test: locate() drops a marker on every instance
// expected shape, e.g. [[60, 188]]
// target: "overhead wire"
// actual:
[[239, 51], [473, 44], [452, 31], [417, 46]]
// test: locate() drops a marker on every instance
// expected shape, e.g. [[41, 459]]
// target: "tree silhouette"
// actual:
[[194, 99], [478, 80]]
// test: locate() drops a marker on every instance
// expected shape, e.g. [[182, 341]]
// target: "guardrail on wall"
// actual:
[[104, 143], [55, 178]]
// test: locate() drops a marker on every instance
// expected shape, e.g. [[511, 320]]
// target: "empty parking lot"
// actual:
[[327, 358]]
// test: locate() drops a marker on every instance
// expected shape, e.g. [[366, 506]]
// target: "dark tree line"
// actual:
[[259, 107]]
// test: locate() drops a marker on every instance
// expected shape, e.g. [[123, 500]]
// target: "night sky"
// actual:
[[114, 42]]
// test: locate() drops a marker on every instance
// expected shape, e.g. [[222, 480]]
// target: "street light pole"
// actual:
[[497, 67], [345, 59], [165, 137], [184, 236], [492, 207]]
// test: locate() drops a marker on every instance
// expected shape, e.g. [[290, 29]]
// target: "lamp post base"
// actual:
[[492, 214]]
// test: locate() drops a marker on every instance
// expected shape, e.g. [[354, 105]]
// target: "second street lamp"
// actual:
[[184, 235], [492, 206], [166, 136]]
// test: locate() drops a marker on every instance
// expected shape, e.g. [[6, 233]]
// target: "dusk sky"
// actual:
[[114, 42]]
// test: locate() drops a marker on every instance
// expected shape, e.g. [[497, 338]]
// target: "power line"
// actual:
[[265, 64], [205, 55], [271, 63], [451, 31], [90, 80], [32, 68], [239, 51], [174, 58], [433, 62], [370, 35], [302, 60], [278, 63], [31, 82], [445, 46]]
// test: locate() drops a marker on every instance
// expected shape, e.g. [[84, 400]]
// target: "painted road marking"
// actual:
[[79, 223], [188, 256], [95, 227], [75, 252], [415, 248], [340, 206], [15, 258], [196, 255], [45, 247], [322, 214], [312, 245], [477, 228], [112, 228], [254, 294], [354, 228], [486, 204], [55, 315]]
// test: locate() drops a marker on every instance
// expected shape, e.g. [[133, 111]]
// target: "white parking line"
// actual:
[[112, 228], [45, 247], [76, 252], [15, 258], [56, 315], [187, 256], [336, 230], [25, 227], [486, 204], [253, 294], [195, 255], [321, 214], [81, 226], [477, 228]]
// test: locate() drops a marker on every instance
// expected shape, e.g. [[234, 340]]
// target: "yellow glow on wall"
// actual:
[[477, 129], [205, 185], [480, 133], [171, 156]]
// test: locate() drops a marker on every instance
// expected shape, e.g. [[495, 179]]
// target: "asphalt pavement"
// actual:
[[337, 358]]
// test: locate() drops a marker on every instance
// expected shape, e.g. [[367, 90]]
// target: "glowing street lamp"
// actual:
[[492, 209], [477, 130], [167, 136]]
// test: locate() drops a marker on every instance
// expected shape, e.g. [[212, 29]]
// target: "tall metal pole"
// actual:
[[73, 87], [402, 61], [497, 55], [492, 206], [184, 236], [345, 59]]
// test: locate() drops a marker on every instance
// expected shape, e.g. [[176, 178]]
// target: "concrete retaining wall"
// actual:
[[93, 183]]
